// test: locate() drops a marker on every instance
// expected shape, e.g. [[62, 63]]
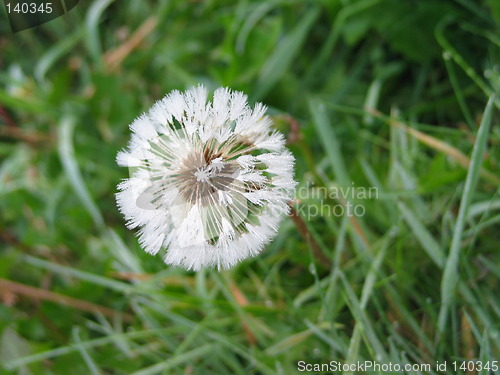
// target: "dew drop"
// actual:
[[312, 268]]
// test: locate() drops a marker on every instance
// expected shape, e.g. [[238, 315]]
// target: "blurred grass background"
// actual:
[[389, 94]]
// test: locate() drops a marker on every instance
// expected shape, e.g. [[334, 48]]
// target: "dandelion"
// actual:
[[209, 181]]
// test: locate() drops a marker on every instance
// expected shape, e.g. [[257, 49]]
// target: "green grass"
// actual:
[[397, 95]]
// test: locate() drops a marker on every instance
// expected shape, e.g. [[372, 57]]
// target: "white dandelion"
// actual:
[[209, 181]]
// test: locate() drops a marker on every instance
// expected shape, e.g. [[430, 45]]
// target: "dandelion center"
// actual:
[[203, 174]]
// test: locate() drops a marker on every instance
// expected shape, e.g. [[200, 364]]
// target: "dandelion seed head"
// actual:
[[209, 181]]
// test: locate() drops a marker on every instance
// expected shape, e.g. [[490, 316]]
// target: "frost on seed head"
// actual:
[[209, 181]]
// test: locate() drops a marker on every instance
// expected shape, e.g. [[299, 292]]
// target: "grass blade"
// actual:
[[428, 242], [175, 361], [92, 25], [81, 275], [284, 54], [92, 366], [452, 53], [329, 140], [94, 343], [450, 275], [70, 165]]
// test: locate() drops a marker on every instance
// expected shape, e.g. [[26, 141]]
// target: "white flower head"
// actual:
[[209, 181]]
